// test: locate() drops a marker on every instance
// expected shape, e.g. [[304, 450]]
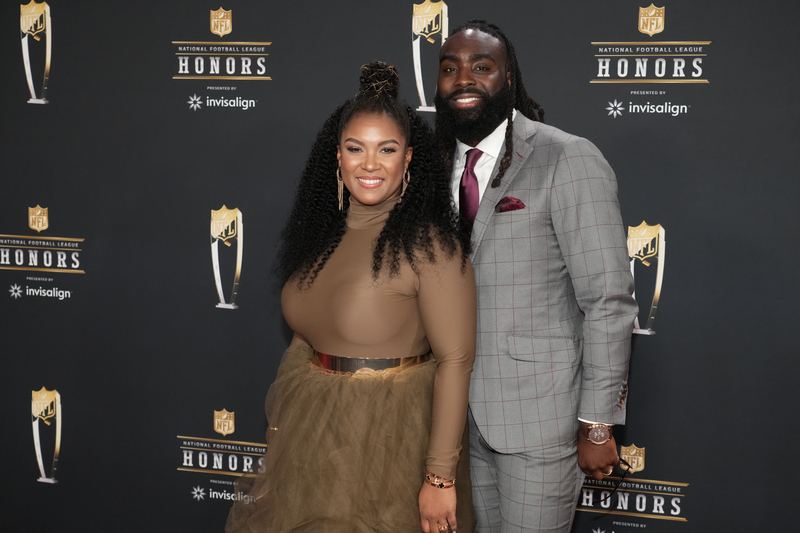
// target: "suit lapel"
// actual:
[[523, 130]]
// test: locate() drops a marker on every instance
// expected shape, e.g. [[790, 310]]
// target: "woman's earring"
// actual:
[[406, 179], [340, 185]]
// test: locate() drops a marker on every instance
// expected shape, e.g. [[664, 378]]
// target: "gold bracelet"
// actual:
[[439, 482]]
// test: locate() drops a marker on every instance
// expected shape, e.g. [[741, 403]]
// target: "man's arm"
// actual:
[[588, 225]]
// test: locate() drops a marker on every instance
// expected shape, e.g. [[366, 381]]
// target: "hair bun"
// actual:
[[379, 78]]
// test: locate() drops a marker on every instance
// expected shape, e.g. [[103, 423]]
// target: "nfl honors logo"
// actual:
[[224, 422], [634, 456], [221, 22], [38, 219], [651, 19]]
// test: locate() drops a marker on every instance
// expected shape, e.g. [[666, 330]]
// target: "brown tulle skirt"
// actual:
[[346, 452]]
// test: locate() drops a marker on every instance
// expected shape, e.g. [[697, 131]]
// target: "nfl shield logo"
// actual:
[[32, 18], [634, 456], [651, 20], [223, 224], [224, 422], [43, 403], [643, 241], [37, 218], [427, 19], [221, 22]]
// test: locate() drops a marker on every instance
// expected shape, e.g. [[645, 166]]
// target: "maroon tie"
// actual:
[[468, 194]]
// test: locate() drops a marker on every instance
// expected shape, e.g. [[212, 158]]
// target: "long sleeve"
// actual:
[[447, 305], [587, 221]]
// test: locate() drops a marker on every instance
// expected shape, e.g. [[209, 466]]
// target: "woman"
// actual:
[[365, 426]]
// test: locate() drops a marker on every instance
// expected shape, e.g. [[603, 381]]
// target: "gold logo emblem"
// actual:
[[634, 456], [224, 422], [221, 22], [32, 18], [43, 405], [643, 241], [223, 224], [651, 20], [37, 218], [46, 405], [428, 19]]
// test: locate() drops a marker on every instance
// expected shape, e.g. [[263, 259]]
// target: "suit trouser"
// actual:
[[524, 492]]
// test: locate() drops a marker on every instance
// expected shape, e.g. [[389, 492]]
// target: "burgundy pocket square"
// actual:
[[509, 203]]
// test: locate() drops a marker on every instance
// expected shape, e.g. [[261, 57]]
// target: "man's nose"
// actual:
[[464, 78]]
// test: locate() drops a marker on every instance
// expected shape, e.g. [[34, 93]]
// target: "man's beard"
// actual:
[[476, 123]]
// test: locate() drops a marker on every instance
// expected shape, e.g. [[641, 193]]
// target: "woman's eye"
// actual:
[[353, 149], [389, 150]]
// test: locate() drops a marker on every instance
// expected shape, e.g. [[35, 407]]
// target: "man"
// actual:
[[555, 311]]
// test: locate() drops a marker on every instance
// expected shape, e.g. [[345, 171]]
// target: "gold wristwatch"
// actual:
[[596, 433]]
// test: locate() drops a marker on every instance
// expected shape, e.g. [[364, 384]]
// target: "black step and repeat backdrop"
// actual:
[[149, 155]]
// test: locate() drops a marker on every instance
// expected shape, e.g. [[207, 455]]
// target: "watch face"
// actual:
[[599, 434]]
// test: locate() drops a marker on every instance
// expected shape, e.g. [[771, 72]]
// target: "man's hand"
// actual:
[[597, 460]]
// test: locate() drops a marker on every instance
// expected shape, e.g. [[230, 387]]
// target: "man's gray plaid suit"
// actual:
[[555, 316]]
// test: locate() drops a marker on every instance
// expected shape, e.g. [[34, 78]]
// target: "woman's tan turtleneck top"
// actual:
[[347, 313]]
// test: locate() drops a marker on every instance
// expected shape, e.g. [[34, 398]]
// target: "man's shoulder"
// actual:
[[538, 134]]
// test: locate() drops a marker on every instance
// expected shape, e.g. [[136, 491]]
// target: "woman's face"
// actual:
[[373, 157]]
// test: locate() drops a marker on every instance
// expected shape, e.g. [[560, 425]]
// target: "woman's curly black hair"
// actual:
[[422, 223]]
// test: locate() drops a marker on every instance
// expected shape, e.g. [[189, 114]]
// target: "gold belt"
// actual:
[[353, 364]]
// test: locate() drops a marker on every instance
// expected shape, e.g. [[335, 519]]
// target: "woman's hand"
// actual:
[[437, 508]]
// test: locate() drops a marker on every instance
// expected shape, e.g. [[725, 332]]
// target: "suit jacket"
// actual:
[[555, 311]]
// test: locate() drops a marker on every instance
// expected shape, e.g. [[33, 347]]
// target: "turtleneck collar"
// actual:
[[360, 216]]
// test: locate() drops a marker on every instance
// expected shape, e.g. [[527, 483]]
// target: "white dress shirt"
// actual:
[[492, 146]]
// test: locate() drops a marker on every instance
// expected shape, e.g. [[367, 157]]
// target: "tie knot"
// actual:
[[472, 158]]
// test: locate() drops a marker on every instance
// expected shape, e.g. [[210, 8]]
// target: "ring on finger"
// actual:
[[442, 527]]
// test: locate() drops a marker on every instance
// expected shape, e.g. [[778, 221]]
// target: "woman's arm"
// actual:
[[447, 304]]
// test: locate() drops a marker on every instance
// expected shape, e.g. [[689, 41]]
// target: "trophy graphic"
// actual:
[[429, 19], [644, 242], [34, 20], [226, 226], [46, 405]]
